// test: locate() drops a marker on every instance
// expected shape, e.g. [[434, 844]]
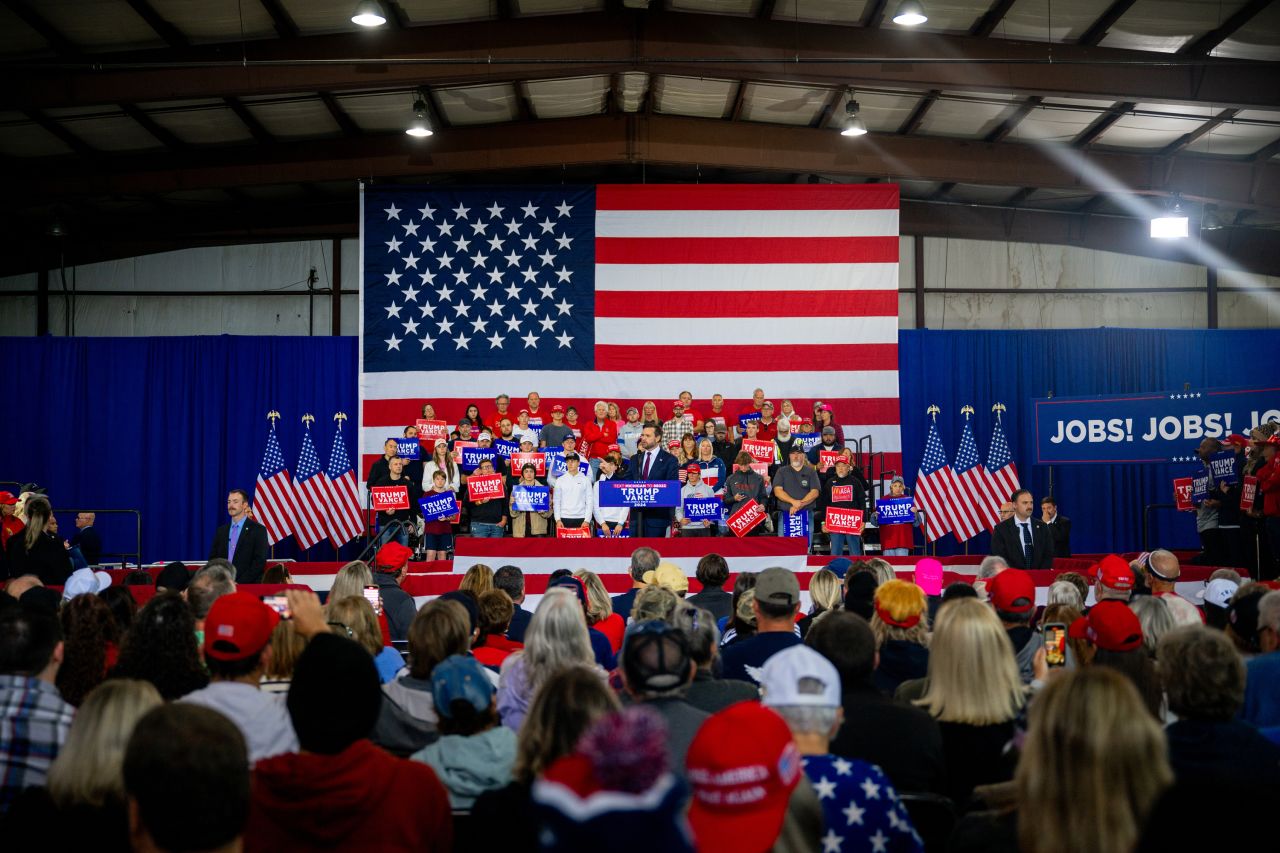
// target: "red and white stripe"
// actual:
[[1005, 482], [713, 289], [313, 510], [974, 503], [934, 496], [275, 506], [345, 521]]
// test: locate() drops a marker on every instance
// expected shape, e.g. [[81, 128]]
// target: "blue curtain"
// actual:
[[1105, 503], [166, 425]]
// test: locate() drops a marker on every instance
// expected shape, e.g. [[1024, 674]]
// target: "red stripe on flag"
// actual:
[[747, 250], [716, 304], [746, 197], [397, 413], [709, 358]]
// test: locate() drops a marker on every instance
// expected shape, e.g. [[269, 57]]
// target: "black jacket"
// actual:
[[1060, 533], [397, 604], [90, 545], [250, 558], [901, 739], [47, 559], [1006, 543]]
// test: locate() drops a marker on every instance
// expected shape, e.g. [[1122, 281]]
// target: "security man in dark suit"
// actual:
[[243, 541], [1059, 526], [651, 462], [1023, 541]]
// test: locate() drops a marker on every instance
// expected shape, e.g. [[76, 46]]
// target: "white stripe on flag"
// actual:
[[745, 277], [662, 331], [747, 223], [485, 385]]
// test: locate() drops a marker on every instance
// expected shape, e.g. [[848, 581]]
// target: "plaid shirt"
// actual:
[[674, 430], [33, 726]]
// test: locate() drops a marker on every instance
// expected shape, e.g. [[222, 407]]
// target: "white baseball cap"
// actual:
[[799, 676], [85, 582], [1219, 592]]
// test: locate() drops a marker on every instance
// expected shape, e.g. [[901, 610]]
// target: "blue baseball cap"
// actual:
[[460, 677], [841, 566]]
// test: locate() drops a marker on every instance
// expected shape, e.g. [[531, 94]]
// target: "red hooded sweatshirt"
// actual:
[[360, 799]]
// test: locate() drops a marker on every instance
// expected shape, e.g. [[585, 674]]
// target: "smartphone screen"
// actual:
[[374, 597], [278, 603], [1055, 644]]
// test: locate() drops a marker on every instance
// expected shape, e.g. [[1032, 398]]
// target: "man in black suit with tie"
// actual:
[[243, 541], [651, 462], [1023, 541]]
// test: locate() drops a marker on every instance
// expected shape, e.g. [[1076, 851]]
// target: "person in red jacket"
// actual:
[[599, 434], [341, 792], [1269, 489]]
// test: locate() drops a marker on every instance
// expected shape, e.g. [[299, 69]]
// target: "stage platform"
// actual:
[[610, 558]]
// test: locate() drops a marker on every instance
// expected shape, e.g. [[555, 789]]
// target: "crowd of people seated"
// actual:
[[736, 718]]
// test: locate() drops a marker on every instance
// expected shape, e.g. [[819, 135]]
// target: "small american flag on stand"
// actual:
[[936, 486], [273, 500], [974, 505], [345, 523], [1000, 468], [311, 489]]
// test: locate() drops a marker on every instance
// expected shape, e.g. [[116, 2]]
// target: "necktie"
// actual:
[[233, 540], [648, 460], [1026, 542]]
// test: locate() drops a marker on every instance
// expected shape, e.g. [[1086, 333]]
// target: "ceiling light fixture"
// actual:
[[368, 14], [910, 14], [853, 124], [1173, 225], [420, 128]]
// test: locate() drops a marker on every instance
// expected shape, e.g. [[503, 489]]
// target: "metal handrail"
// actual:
[[137, 555]]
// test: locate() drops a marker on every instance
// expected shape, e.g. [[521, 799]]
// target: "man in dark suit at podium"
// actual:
[[651, 462], [1023, 541], [243, 541]]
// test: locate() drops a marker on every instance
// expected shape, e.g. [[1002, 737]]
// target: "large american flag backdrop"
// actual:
[[630, 293]]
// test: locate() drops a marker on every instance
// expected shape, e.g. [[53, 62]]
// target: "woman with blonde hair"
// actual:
[[36, 552], [350, 580], [84, 806], [649, 414], [600, 613], [353, 617], [900, 622], [557, 638], [825, 593], [883, 570], [975, 693], [286, 647], [478, 580], [1093, 765]]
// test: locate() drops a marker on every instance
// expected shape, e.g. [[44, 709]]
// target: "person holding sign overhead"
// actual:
[[574, 496], [243, 541], [651, 462]]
